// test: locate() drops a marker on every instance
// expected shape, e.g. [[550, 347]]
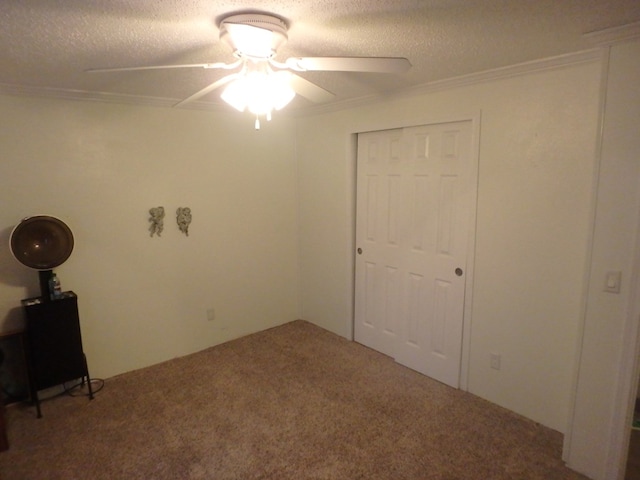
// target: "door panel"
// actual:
[[412, 224]]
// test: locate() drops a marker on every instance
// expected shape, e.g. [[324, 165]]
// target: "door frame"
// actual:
[[352, 132], [629, 372]]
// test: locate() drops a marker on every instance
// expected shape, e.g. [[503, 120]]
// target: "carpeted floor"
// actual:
[[293, 402]]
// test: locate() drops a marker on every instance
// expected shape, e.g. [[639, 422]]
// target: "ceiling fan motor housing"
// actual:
[[271, 23]]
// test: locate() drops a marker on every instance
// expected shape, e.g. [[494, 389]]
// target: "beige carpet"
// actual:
[[293, 402]]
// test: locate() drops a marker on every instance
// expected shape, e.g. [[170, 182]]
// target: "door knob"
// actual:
[[359, 251], [459, 272]]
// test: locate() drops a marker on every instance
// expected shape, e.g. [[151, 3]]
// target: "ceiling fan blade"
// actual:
[[226, 66], [209, 88], [349, 64], [309, 90]]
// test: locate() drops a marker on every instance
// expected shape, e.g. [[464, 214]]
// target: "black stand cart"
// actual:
[[54, 344]]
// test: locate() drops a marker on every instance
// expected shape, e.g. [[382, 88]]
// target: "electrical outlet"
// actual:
[[495, 361], [211, 314]]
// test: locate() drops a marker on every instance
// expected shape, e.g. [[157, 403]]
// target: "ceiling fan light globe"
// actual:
[[235, 94], [280, 88], [260, 92]]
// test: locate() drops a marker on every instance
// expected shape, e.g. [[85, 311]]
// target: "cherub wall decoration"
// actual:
[[157, 220], [183, 217]]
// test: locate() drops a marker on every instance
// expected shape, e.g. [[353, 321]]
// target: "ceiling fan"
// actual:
[[262, 84]]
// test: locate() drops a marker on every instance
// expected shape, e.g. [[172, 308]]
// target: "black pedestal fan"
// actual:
[[42, 242], [54, 342]]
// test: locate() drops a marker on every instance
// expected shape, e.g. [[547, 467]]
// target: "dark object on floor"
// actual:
[[54, 344], [4, 441]]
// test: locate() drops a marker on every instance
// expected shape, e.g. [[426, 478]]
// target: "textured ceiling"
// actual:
[[48, 44]]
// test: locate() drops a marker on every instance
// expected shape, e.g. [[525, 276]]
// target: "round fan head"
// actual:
[[41, 242], [253, 35]]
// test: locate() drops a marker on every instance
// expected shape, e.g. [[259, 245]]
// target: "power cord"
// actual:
[[72, 391]]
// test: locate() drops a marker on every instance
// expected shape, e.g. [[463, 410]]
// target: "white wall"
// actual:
[[143, 300], [594, 446], [536, 175], [100, 168]]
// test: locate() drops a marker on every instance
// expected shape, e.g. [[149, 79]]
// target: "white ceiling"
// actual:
[[48, 44]]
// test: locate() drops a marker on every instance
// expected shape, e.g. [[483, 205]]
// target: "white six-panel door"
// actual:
[[414, 202]]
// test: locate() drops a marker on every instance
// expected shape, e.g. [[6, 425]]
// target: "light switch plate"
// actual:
[[612, 281]]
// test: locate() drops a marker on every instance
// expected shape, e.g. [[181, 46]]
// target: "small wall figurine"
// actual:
[[183, 217], [157, 220]]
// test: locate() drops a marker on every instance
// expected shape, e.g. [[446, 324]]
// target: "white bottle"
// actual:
[[55, 287]]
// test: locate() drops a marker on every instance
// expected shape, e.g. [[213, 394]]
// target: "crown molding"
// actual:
[[102, 97], [613, 36], [510, 71], [438, 85], [68, 94]]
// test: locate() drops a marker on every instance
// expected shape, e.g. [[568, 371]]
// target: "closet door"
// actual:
[[414, 202]]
